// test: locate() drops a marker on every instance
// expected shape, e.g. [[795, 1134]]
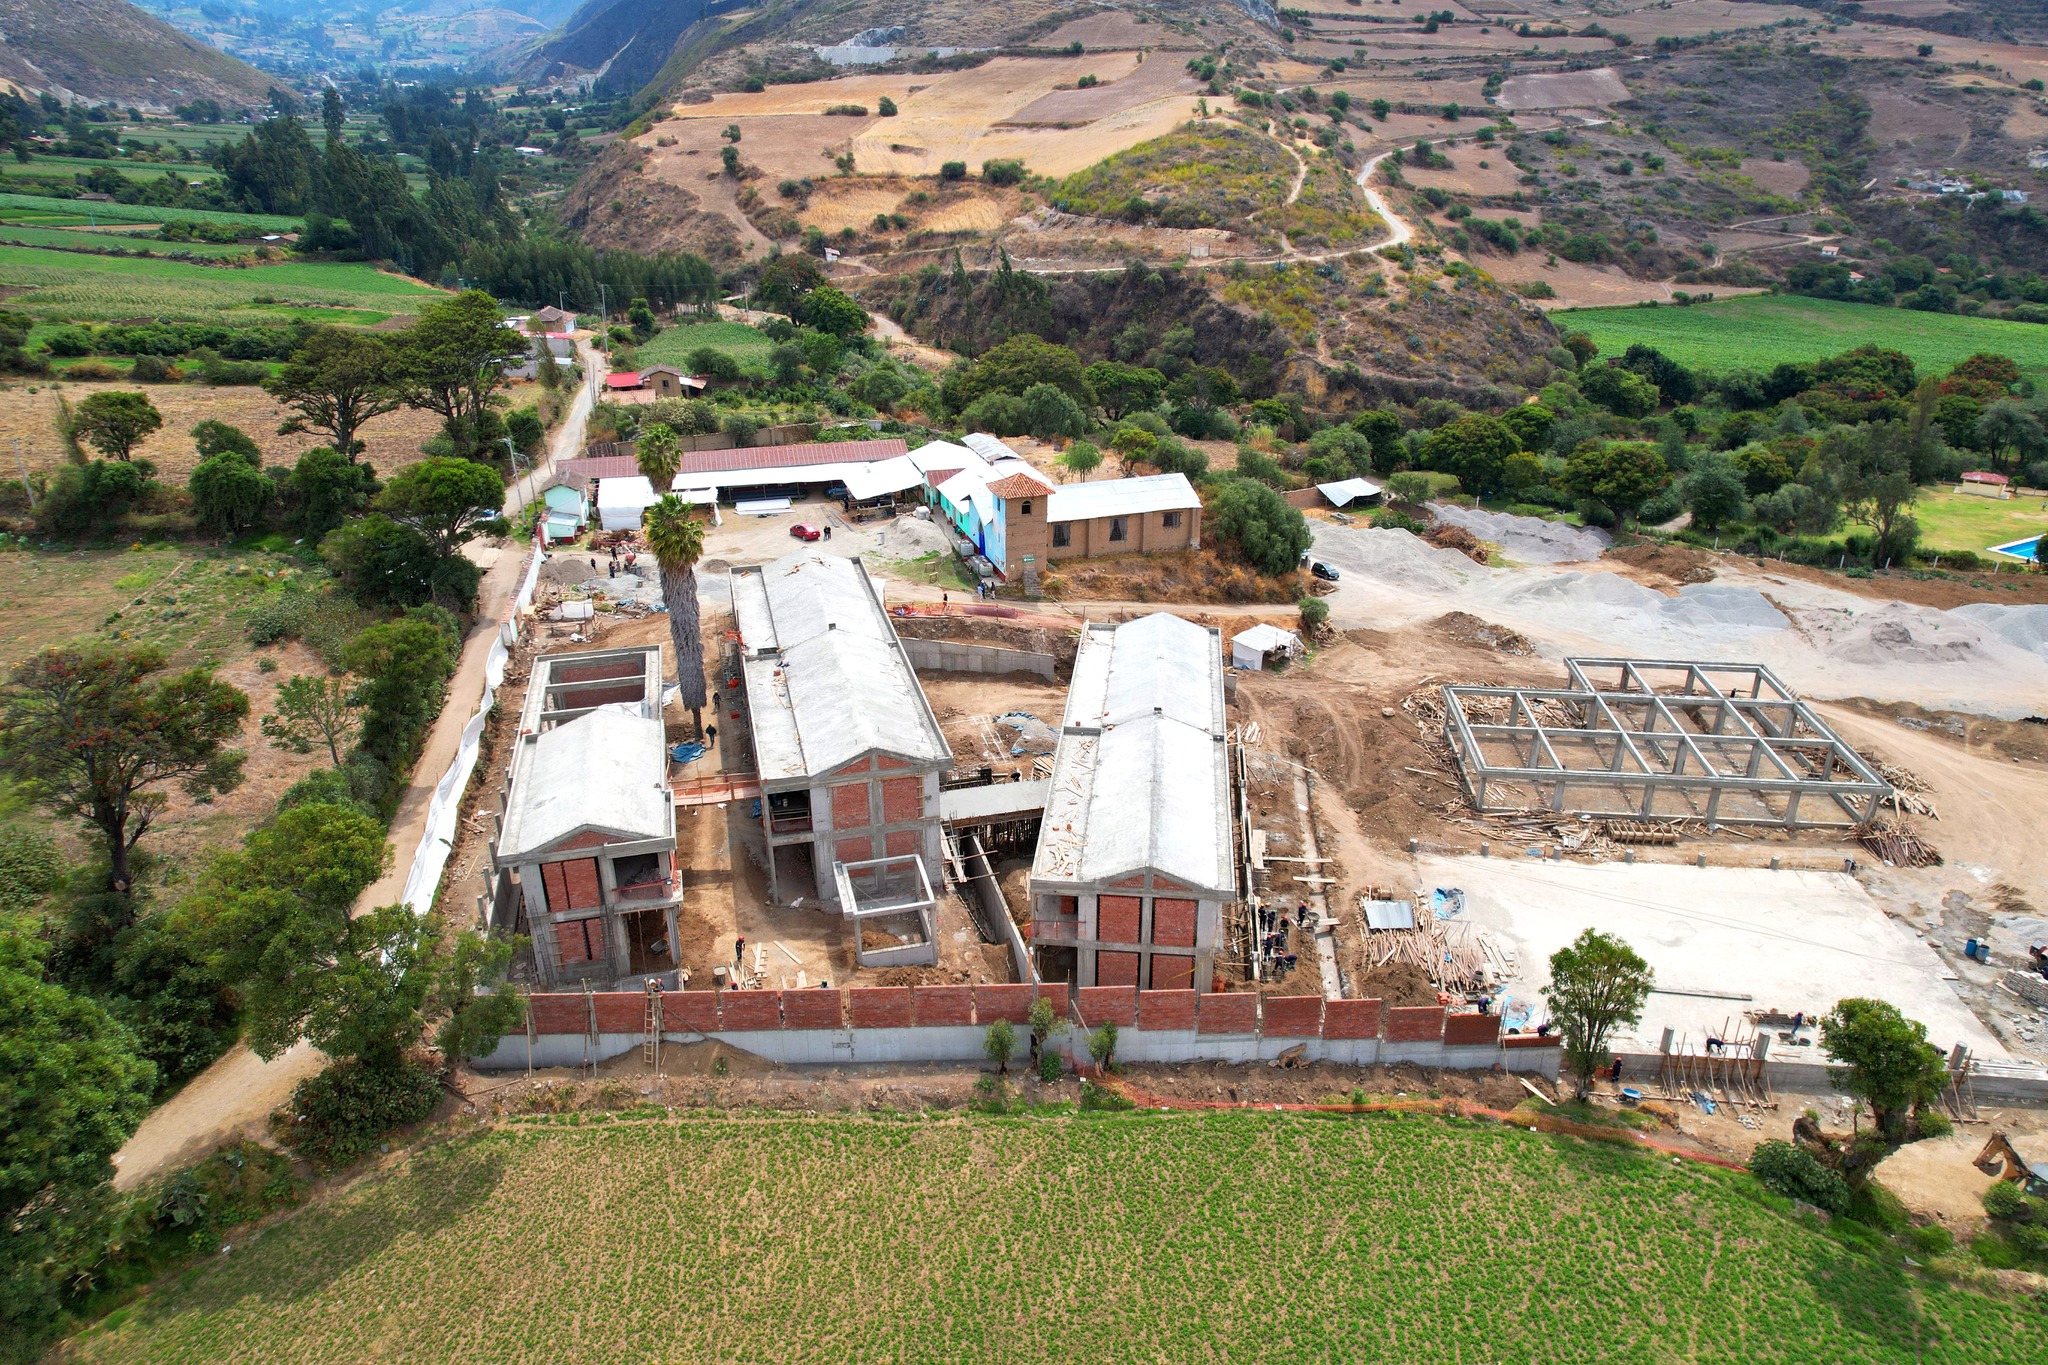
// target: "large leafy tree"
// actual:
[[830, 310], [1872, 468], [1622, 474], [2012, 433], [1270, 535], [1014, 366], [71, 1091], [1884, 1060], [1123, 389], [403, 665], [335, 382], [114, 423], [1597, 984], [1474, 448], [326, 488], [676, 535], [452, 362], [313, 711], [445, 499], [96, 734], [228, 493]]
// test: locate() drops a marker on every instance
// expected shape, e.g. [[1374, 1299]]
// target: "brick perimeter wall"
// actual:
[[1109, 1005]]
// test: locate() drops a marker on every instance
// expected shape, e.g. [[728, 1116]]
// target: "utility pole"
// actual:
[[518, 496]]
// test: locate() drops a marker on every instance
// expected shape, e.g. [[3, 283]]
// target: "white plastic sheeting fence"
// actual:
[[437, 840]]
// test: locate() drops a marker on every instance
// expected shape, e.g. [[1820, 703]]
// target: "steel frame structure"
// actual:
[[1664, 739]]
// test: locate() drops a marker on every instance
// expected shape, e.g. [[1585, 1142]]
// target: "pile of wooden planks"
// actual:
[[1898, 845], [1459, 958]]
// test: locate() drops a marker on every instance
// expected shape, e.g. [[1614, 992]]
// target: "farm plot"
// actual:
[[743, 343], [14, 233], [28, 413], [1760, 331], [82, 288], [16, 205], [1207, 176], [1563, 90], [1153, 79], [1137, 1237]]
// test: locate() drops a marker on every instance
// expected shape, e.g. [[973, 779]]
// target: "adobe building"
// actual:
[[1134, 864], [589, 828], [849, 753]]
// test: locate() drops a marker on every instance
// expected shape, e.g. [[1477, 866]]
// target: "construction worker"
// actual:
[[2038, 952], [739, 952]]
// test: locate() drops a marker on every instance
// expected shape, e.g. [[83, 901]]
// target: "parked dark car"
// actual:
[[1323, 571]]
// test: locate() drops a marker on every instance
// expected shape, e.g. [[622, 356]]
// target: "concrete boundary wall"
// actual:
[[947, 656], [948, 1024]]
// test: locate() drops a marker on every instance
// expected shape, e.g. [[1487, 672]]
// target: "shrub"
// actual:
[[1100, 1098], [1102, 1046], [1393, 519], [29, 866], [1314, 612], [1797, 1174], [953, 170], [1004, 172], [2005, 1200], [1048, 1066], [344, 1111]]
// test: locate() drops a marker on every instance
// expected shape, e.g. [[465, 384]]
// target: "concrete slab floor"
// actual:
[[1789, 940]]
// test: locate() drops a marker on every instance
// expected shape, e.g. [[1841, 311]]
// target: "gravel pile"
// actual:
[[1529, 540], [2021, 627]]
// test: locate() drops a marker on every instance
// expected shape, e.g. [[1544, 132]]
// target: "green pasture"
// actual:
[[743, 343], [29, 207], [1142, 1237], [82, 288], [1758, 331]]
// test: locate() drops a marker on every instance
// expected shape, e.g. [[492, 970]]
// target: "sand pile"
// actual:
[[2021, 627], [1895, 634], [1530, 540]]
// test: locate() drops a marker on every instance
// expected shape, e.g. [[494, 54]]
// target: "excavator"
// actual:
[[2001, 1160]]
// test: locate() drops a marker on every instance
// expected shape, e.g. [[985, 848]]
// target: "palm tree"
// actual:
[[677, 539], [660, 455]]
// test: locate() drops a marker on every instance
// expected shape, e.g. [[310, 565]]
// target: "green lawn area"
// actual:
[[1957, 521], [743, 343], [1059, 1238], [82, 288], [1758, 331]]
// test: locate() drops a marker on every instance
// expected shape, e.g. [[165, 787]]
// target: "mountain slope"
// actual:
[[110, 50]]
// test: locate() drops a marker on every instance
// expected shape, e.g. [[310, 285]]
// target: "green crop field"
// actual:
[[743, 343], [15, 234], [134, 170], [36, 208], [1136, 1237], [1760, 330], [81, 288]]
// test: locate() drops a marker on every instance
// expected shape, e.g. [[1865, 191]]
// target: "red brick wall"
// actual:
[[863, 765], [1517, 1040], [854, 850], [1002, 1002], [884, 761], [1056, 993], [1172, 972], [1293, 1016], [742, 1011], [1415, 1023], [1116, 969], [556, 1013], [944, 1004], [812, 1009], [880, 1006], [901, 841], [1109, 1005], [575, 673], [902, 799], [1351, 1019], [1116, 919], [850, 806], [621, 1012], [1166, 1009], [1471, 1028], [690, 1011], [605, 696], [1237, 1012], [1173, 923]]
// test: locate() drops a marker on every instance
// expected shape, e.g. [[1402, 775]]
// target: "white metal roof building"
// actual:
[[1123, 497], [1135, 845], [622, 501]]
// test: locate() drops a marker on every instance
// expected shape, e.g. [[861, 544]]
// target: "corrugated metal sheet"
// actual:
[[1389, 915]]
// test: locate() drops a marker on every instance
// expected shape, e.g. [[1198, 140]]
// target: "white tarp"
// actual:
[[437, 840], [1347, 491], [621, 501]]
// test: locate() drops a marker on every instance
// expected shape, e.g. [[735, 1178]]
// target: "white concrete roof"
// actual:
[[827, 680], [605, 770], [1140, 779], [1122, 497], [884, 476], [1347, 491], [633, 491]]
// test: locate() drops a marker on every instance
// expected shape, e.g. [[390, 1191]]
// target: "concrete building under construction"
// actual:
[[849, 753], [588, 830], [1134, 860]]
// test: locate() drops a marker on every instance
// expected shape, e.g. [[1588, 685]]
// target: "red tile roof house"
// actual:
[[1982, 483]]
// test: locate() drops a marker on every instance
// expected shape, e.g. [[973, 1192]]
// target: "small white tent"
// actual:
[[1251, 648], [620, 501]]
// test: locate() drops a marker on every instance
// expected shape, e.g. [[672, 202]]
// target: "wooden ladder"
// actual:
[[650, 1046]]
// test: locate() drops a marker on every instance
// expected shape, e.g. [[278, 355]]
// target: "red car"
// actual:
[[803, 531]]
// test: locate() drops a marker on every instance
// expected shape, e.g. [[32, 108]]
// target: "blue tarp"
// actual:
[[686, 752]]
